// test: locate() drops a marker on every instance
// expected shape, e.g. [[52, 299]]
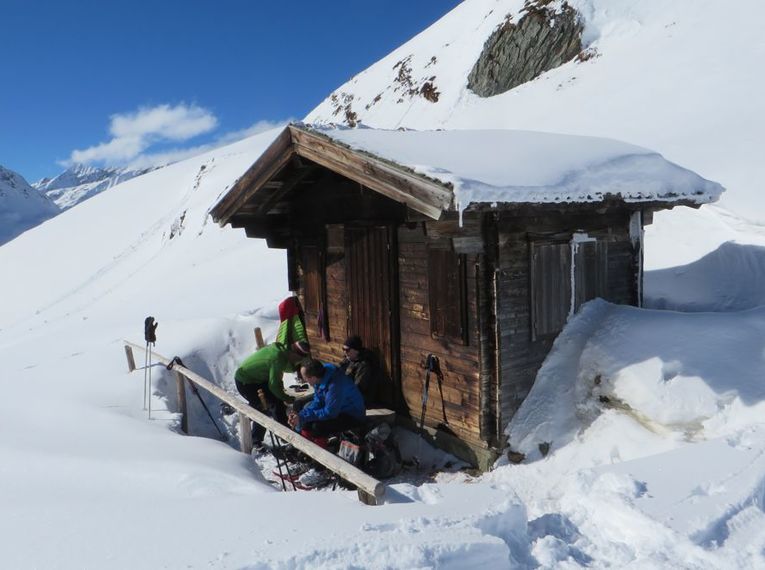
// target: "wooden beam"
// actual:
[[417, 192], [286, 188], [348, 472], [262, 171]]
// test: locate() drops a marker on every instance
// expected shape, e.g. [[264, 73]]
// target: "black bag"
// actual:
[[382, 457]]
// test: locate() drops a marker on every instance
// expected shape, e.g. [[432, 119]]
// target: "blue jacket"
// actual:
[[335, 394]]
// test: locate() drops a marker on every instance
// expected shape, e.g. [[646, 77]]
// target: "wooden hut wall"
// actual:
[[520, 354], [331, 267], [459, 359]]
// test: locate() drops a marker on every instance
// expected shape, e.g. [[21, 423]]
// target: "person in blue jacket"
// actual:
[[337, 403]]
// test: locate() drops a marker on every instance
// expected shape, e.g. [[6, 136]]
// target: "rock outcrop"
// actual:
[[544, 38]]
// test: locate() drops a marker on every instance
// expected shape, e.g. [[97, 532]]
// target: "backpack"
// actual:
[[382, 458]]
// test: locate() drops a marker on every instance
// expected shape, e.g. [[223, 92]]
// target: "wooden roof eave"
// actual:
[[419, 193], [268, 165]]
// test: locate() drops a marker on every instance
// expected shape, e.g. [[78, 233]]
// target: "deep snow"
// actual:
[[658, 465]]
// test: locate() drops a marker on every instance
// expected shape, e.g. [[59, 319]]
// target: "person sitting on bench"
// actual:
[[337, 403], [361, 365]]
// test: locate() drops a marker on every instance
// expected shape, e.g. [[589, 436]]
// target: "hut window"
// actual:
[[447, 286], [559, 288]]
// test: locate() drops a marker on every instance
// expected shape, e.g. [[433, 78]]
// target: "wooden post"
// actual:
[[245, 433], [366, 498], [259, 338], [180, 384], [130, 359]]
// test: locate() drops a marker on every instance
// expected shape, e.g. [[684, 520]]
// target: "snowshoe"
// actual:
[[295, 471], [314, 479]]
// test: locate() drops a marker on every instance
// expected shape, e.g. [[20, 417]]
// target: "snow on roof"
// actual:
[[508, 166]]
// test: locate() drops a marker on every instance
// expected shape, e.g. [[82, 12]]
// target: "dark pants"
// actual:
[[339, 424], [275, 407]]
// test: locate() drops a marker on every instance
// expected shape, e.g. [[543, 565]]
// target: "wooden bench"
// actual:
[[376, 416]]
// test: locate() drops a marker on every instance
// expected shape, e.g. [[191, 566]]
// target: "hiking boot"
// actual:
[[314, 478]]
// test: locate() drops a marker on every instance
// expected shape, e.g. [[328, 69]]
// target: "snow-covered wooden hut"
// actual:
[[473, 246]]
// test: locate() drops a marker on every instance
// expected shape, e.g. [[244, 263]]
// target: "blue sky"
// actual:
[[105, 80]]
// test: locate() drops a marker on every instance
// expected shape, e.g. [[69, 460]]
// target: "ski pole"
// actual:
[[145, 373], [425, 387], [276, 446], [150, 335], [195, 391]]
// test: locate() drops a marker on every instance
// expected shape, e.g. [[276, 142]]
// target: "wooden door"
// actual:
[[370, 274]]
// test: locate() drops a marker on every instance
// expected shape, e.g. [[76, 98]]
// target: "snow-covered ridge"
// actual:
[[81, 182], [655, 80], [21, 206]]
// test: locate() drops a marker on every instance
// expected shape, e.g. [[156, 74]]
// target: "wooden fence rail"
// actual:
[[370, 489]]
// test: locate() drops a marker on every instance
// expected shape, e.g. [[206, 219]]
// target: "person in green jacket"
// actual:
[[262, 371]]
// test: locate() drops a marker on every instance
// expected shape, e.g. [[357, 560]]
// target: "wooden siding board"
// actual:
[[459, 363], [520, 356]]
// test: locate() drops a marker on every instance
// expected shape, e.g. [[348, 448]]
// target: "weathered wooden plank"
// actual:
[[413, 190], [347, 471], [180, 390], [264, 169]]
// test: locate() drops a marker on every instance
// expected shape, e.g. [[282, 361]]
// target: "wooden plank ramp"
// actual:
[[370, 490]]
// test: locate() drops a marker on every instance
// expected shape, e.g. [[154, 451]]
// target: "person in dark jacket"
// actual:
[[261, 373], [361, 365], [337, 404]]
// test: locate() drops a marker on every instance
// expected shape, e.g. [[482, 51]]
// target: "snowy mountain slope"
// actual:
[[674, 77], [114, 480], [88, 481], [21, 207], [81, 182]]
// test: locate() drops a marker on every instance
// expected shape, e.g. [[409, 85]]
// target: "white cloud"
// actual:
[[177, 123], [136, 133], [115, 151], [133, 133]]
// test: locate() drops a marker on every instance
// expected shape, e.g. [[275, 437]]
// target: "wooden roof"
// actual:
[[280, 169]]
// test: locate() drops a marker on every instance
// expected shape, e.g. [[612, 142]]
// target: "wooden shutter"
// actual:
[[550, 287], [447, 288], [313, 282], [591, 272]]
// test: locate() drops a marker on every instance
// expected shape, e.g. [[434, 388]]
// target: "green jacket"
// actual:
[[266, 365]]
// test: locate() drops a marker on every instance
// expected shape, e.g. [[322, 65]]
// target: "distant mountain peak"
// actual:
[[80, 182], [21, 207]]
